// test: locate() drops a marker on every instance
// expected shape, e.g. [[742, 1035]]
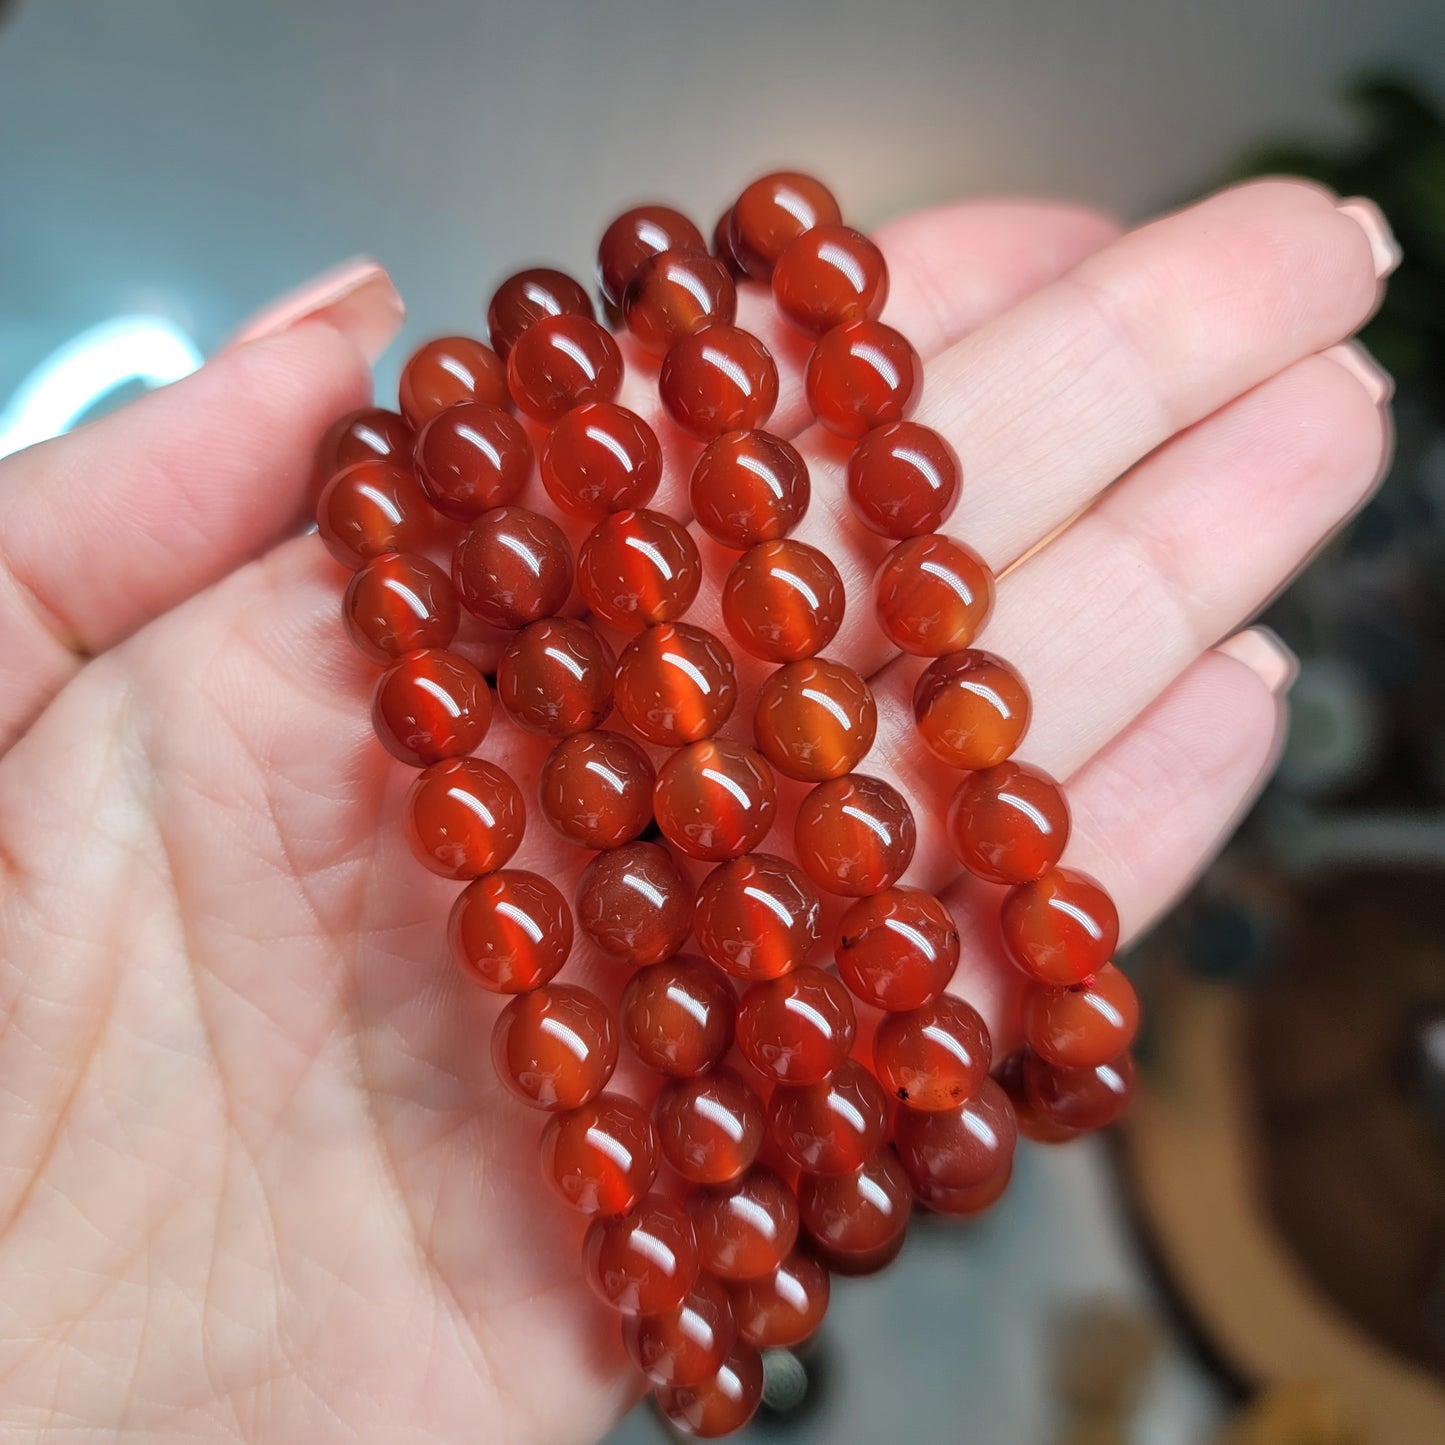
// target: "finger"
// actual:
[[102, 530]]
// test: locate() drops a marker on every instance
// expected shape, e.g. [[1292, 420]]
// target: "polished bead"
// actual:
[[363, 436], [903, 480], [746, 1228], [449, 370], [511, 930], [687, 1345], [678, 1015], [634, 902], [371, 508], [636, 568], [935, 1056], [932, 595], [634, 237], [710, 1125], [1082, 1025], [464, 817], [815, 719], [828, 276], [645, 1262], [715, 799], [749, 487], [722, 245], [1079, 1098], [471, 458], [596, 789], [397, 603], [512, 567], [555, 1047], [720, 1405], [854, 835], [862, 375], [957, 1148], [431, 705], [1008, 823], [857, 1222], [675, 293], [560, 362], [897, 949], [529, 296], [600, 458], [832, 1127], [601, 1158], [676, 684], [967, 1202], [784, 1308], [555, 678], [772, 213], [783, 600], [1033, 1124], [717, 380], [757, 917], [971, 708], [1060, 928], [797, 1029]]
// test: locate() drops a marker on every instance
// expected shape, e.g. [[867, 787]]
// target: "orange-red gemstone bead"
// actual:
[[715, 799], [555, 1047], [854, 835], [719, 379], [449, 370], [678, 1015], [1082, 1025], [560, 362], [957, 1148], [397, 603], [815, 719], [371, 508], [722, 246], [600, 458], [746, 1228], [510, 930], [828, 276], [596, 789], [512, 567], [857, 1222], [636, 235], [784, 1308], [749, 487], [601, 1158], [555, 678], [897, 949], [1009, 823], [675, 293], [1033, 1124], [772, 213], [971, 708], [757, 916], [634, 902], [471, 458], [710, 1125], [935, 1056], [529, 296], [720, 1405], [829, 1128], [431, 705], [687, 1345], [645, 1262], [362, 436], [903, 480], [1079, 1098], [636, 568], [797, 1029], [783, 600], [965, 1203], [676, 684], [1060, 928], [862, 375], [464, 817], [932, 595]]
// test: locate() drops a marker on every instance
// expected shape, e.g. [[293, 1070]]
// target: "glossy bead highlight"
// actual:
[[784, 1308], [715, 799], [397, 603], [637, 235], [555, 1048], [710, 1126], [677, 1015], [797, 1029], [510, 930], [688, 1345], [772, 213], [449, 370], [555, 678], [595, 789], [429, 706], [857, 1222], [1083, 1025], [1009, 823], [676, 684], [903, 480], [529, 296], [676, 293], [971, 708], [601, 1158], [512, 567], [747, 1228], [1060, 928], [643, 1263], [828, 276], [934, 1057], [897, 949], [638, 568], [717, 380], [783, 600], [560, 362], [464, 817], [958, 1148], [471, 458], [815, 719], [371, 508], [862, 375], [634, 902], [855, 835], [749, 487], [600, 458], [932, 595], [829, 1128], [757, 916]]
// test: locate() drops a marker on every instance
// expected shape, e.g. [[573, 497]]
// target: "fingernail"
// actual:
[[1378, 382], [356, 297], [1264, 654], [1371, 220]]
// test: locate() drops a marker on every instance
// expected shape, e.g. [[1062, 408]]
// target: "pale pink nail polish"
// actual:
[[1371, 220], [356, 297], [1262, 651], [1377, 382]]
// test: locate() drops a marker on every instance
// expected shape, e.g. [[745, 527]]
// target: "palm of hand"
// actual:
[[259, 1177]]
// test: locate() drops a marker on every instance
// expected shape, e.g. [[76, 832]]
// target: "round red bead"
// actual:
[[964, 1203], [464, 817], [903, 480], [645, 1262], [449, 370], [471, 458], [601, 1158], [1079, 1098], [688, 1345], [815, 719], [857, 1222], [1082, 1025], [862, 375], [722, 246], [897, 949], [675, 293], [971, 708], [636, 568], [749, 487], [560, 362], [710, 1125], [362, 436], [746, 1228], [1009, 823], [720, 1405], [1033, 1124], [397, 603], [510, 931], [636, 235], [600, 458], [512, 567], [634, 902], [678, 1015], [676, 684], [715, 799], [717, 380], [783, 600], [932, 595], [1060, 928], [596, 789], [783, 1308], [555, 1047], [371, 508], [772, 213], [832, 1127], [854, 835], [828, 276], [797, 1029], [555, 678], [431, 705], [958, 1148], [529, 296], [757, 916], [933, 1057]]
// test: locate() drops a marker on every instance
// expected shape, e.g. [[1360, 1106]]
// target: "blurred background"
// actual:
[[1260, 1256]]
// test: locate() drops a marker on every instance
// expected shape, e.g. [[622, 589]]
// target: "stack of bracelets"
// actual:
[[792, 1144]]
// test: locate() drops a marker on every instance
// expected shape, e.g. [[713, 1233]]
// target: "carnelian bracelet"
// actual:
[[779, 1148]]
